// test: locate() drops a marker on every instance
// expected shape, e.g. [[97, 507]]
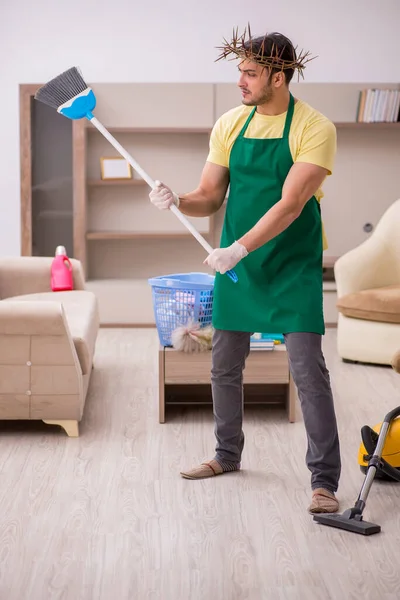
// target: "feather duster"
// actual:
[[192, 337]]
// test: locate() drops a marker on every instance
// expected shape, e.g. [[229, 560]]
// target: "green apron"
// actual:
[[280, 284]]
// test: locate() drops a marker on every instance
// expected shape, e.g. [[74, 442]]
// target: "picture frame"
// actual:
[[115, 168]]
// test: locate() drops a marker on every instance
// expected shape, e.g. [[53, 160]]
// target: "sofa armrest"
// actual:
[[40, 374], [365, 267], [21, 275], [33, 317]]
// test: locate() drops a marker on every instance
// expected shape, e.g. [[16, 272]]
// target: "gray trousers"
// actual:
[[311, 377]]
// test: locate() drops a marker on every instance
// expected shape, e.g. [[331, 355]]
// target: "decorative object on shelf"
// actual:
[[73, 98], [115, 168]]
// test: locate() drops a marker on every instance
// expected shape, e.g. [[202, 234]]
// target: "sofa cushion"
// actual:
[[81, 311], [379, 304]]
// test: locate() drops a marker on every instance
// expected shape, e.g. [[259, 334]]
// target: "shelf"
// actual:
[[338, 124], [361, 125], [128, 302], [91, 128], [155, 130], [123, 302], [105, 182], [132, 235]]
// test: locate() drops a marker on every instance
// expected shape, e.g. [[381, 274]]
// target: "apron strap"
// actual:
[[288, 121], [289, 118], [249, 118]]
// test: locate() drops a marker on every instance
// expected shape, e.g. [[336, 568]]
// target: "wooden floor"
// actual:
[[107, 517]]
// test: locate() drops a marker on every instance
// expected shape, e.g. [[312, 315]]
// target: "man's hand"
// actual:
[[224, 259], [162, 197]]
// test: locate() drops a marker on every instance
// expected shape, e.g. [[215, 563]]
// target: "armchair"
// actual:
[[368, 289]]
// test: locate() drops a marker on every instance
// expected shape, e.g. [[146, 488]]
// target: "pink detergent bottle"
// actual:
[[61, 271]]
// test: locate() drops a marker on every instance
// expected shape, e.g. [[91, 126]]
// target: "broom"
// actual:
[[73, 98]]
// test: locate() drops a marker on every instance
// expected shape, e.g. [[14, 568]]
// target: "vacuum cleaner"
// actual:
[[379, 457]]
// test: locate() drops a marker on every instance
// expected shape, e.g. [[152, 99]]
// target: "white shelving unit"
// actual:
[[122, 240]]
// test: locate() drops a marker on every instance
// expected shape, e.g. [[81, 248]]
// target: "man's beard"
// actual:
[[264, 96]]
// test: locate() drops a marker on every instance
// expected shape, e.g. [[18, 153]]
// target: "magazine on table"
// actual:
[[266, 341]]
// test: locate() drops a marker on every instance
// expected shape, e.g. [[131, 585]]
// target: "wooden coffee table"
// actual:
[[192, 372]]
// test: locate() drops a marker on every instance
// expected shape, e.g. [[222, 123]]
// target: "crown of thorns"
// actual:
[[241, 47]]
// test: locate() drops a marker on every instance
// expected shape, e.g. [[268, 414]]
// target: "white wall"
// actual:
[[173, 40]]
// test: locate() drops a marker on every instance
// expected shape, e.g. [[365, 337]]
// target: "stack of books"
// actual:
[[265, 341], [378, 106]]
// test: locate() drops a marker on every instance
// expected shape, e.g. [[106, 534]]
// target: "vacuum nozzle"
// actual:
[[355, 524]]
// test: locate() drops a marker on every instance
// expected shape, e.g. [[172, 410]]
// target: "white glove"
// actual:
[[162, 197], [224, 259]]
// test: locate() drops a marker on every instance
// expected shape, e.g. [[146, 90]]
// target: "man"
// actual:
[[274, 152]]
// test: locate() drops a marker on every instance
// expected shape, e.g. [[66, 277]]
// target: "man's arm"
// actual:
[[302, 182], [205, 200], [209, 196], [313, 163]]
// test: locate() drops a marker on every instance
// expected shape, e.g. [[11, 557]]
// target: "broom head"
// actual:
[[69, 94]]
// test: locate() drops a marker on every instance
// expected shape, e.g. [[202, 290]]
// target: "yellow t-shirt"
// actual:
[[312, 136]]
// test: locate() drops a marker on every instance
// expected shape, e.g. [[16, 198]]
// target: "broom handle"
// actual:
[[150, 181]]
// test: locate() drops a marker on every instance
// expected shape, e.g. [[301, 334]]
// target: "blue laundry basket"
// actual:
[[179, 298]]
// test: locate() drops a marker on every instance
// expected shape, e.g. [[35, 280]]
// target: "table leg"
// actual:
[[161, 385]]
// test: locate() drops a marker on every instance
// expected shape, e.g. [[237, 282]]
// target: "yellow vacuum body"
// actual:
[[391, 449]]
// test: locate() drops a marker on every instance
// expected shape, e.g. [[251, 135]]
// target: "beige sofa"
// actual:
[[368, 288], [47, 343]]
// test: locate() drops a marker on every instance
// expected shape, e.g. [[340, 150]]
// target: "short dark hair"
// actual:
[[274, 45]]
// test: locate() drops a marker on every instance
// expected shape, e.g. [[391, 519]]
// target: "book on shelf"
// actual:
[[378, 106], [265, 341]]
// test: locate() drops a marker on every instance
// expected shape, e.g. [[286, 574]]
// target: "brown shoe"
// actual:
[[207, 469], [323, 502]]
